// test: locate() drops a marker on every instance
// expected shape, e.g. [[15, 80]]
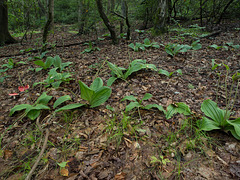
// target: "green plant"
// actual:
[[137, 46], [55, 79], [56, 62], [148, 43], [122, 73], [161, 160], [139, 31], [96, 94], [11, 64], [123, 35], [33, 111], [175, 108], [218, 119], [138, 103], [90, 48], [169, 74], [237, 46], [218, 47], [174, 49]]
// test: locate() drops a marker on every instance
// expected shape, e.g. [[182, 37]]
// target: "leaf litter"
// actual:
[[82, 140]]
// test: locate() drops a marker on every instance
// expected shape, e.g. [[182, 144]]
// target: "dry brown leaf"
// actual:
[[7, 154], [120, 176], [64, 172]]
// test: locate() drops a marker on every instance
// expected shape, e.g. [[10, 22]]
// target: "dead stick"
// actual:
[[41, 153]]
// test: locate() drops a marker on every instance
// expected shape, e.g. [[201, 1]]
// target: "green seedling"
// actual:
[[33, 111], [90, 48], [161, 160], [174, 49], [217, 118], [96, 94], [137, 46], [56, 62], [139, 31], [175, 108], [218, 47], [11, 64], [122, 73], [123, 35], [138, 103], [169, 74], [148, 43], [55, 79], [237, 46]]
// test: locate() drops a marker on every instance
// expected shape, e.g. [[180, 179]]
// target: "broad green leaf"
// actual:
[[132, 105], [56, 84], [155, 46], [40, 106], [130, 98], [169, 51], [49, 62], [43, 99], [110, 108], [115, 70], [146, 97], [100, 96], [57, 62], [179, 71], [19, 108], [147, 42], [164, 72], [86, 92], [181, 108], [69, 106], [38, 69], [211, 110], [39, 63], [131, 46], [214, 46], [206, 124], [236, 124], [133, 69], [159, 107], [61, 100], [111, 81], [97, 83], [33, 114]]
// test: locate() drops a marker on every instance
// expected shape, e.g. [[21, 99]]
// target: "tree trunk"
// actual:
[[106, 22], [5, 37], [49, 24], [160, 18]]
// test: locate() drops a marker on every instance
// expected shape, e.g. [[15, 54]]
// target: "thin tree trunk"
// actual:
[[106, 22], [225, 8], [49, 24], [5, 37], [160, 18]]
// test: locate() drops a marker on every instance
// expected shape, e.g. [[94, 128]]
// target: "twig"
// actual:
[[41, 153]]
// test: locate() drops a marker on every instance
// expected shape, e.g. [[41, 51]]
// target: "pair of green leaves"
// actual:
[[169, 74], [218, 119], [33, 111], [138, 103], [56, 62], [96, 94], [90, 48], [122, 73], [172, 109]]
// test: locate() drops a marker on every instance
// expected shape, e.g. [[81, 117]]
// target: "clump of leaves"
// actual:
[[146, 44], [138, 103], [175, 108], [96, 94], [56, 62], [122, 73], [55, 79], [174, 49], [217, 118], [33, 111], [90, 48], [218, 47], [169, 74], [11, 64]]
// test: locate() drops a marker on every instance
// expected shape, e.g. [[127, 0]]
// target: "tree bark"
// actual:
[[50, 21], [106, 22], [160, 18], [5, 37]]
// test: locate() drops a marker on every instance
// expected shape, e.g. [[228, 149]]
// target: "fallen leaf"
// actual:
[[120, 176], [64, 172]]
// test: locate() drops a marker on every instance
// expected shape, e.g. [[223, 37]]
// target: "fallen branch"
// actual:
[[42, 151]]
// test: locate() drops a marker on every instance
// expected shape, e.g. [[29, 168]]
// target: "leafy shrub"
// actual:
[[146, 44]]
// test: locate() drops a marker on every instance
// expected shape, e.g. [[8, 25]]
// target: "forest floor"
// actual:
[[97, 143]]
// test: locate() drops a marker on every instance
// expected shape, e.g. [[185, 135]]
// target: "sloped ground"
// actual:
[[87, 142]]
